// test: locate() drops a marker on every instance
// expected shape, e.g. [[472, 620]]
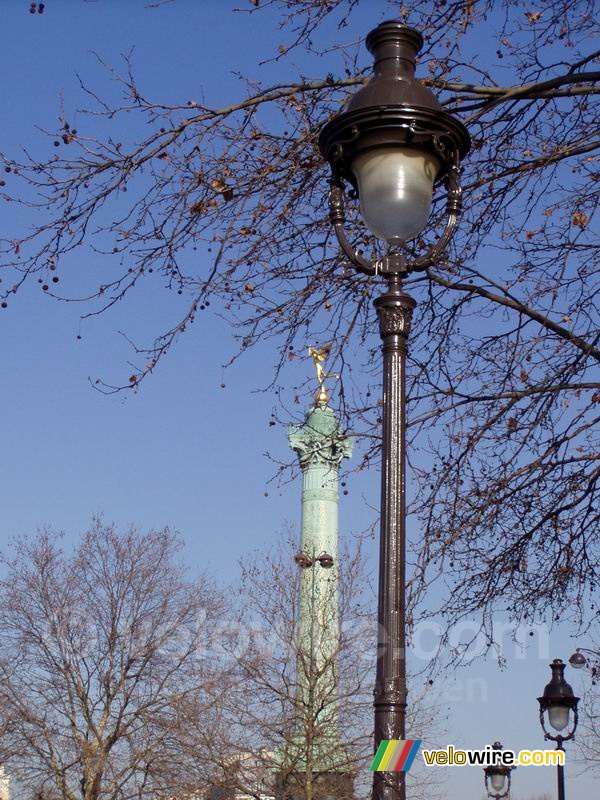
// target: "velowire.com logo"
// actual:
[[395, 755]]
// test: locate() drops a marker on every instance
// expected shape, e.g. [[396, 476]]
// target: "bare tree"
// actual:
[[588, 734], [103, 668], [587, 737], [227, 205], [303, 707]]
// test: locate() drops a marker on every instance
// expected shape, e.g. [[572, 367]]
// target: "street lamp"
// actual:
[[559, 701], [578, 660], [392, 145], [497, 778]]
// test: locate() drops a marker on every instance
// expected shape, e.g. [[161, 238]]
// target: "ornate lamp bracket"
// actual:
[[559, 738], [496, 796]]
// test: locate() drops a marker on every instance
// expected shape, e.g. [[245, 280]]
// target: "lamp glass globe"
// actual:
[[498, 781], [395, 187], [558, 716]]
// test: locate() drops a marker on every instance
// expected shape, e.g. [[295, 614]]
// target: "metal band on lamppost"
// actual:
[[392, 145]]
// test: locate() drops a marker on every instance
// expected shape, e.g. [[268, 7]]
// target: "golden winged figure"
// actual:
[[319, 355]]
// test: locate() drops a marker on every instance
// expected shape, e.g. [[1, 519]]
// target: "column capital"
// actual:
[[320, 441]]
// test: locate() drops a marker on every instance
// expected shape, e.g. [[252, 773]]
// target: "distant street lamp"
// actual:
[[497, 778], [578, 661], [559, 701], [391, 146]]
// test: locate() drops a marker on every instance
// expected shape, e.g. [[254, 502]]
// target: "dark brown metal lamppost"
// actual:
[[392, 145], [559, 702]]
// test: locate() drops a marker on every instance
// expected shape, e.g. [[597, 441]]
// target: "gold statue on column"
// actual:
[[319, 355]]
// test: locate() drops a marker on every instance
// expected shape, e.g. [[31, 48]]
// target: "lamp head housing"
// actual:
[[393, 110], [558, 700], [578, 660], [497, 777], [557, 692]]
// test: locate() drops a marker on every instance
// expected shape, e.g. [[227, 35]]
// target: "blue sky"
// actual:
[[183, 451]]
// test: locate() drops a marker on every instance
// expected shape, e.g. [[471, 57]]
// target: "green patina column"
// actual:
[[316, 751]]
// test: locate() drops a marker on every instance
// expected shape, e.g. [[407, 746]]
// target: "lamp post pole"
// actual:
[[394, 310], [560, 774], [393, 143]]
